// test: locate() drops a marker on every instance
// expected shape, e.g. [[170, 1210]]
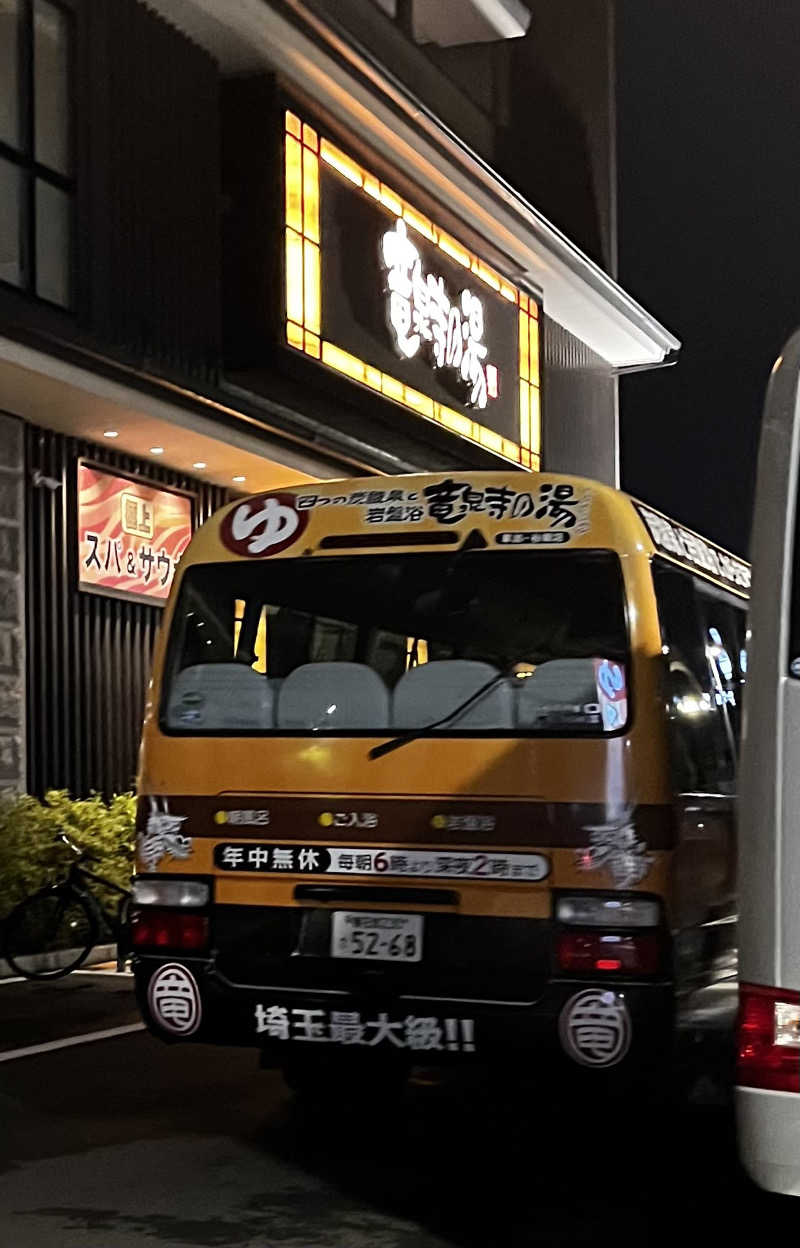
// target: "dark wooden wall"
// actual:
[[148, 189], [88, 657]]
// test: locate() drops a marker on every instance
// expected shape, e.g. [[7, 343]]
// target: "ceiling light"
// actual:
[[238, 480], [110, 433], [156, 450], [200, 464]]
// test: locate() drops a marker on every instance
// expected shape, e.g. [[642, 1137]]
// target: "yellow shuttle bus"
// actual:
[[440, 768]]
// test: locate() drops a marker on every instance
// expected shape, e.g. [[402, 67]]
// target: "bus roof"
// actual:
[[687, 548], [490, 510]]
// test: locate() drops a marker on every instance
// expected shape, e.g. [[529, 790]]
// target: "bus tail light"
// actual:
[[600, 910], [149, 892], [768, 1039], [634, 953], [153, 928]]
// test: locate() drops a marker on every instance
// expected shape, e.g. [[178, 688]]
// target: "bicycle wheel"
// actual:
[[49, 935]]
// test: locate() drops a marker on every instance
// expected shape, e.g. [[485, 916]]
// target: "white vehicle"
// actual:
[[768, 1074]]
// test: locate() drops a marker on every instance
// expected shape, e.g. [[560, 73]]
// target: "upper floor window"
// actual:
[[36, 149]]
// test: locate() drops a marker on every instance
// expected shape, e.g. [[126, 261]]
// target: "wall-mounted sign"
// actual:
[[377, 291], [428, 321], [130, 535], [695, 552]]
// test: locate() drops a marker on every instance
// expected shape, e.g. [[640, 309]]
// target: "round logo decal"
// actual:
[[174, 999], [595, 1028], [263, 526], [610, 678]]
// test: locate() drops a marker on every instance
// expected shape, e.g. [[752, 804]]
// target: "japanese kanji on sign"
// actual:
[[353, 860], [383, 294], [351, 1027], [130, 535]]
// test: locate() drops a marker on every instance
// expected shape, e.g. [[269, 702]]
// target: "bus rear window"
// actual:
[[490, 643]]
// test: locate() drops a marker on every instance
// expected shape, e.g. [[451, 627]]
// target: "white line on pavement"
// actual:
[[116, 974], [12, 1054], [20, 979]]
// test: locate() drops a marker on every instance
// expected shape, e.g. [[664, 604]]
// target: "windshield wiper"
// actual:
[[414, 734], [517, 671]]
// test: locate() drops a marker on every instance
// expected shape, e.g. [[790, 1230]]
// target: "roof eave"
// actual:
[[351, 86]]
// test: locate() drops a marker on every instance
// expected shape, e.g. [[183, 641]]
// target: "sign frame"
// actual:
[[109, 470], [306, 150]]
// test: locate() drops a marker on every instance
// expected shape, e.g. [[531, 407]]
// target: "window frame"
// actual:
[[175, 639], [714, 594], [31, 171], [701, 590]]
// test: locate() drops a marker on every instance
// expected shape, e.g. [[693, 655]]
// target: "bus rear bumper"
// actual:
[[574, 1023], [768, 1125]]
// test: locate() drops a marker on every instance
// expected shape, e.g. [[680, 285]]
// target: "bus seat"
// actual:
[[333, 695], [426, 693], [275, 683], [224, 696], [560, 684]]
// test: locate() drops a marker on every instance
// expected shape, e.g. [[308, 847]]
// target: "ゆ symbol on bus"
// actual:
[[263, 526], [174, 999], [595, 1028]]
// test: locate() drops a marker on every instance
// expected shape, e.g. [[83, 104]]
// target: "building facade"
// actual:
[[245, 243]]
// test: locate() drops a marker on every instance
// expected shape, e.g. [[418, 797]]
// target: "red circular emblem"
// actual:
[[263, 525]]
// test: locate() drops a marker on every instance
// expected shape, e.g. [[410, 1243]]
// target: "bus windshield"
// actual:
[[369, 644]]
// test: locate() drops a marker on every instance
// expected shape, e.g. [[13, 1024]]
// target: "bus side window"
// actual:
[[724, 633], [701, 745]]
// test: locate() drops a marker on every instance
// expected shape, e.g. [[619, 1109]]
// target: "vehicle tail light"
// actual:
[[636, 953], [153, 928], [768, 1049], [150, 892], [600, 910]]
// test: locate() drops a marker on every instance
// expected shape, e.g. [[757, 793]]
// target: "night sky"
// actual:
[[709, 173]]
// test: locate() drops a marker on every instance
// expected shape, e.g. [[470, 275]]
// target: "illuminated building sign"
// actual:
[[130, 536], [379, 293], [424, 318]]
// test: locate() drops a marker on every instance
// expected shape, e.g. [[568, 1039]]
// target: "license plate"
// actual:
[[376, 937]]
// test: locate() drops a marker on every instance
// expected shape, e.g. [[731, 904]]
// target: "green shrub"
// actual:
[[30, 856]]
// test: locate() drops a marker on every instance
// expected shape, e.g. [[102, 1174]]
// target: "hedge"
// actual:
[[30, 856]]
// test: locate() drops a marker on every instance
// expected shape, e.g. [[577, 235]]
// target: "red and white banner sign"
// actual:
[[130, 536]]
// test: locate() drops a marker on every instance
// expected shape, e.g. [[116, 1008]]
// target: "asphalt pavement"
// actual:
[[123, 1142]]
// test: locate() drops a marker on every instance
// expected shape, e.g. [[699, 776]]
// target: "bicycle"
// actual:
[[53, 931]]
